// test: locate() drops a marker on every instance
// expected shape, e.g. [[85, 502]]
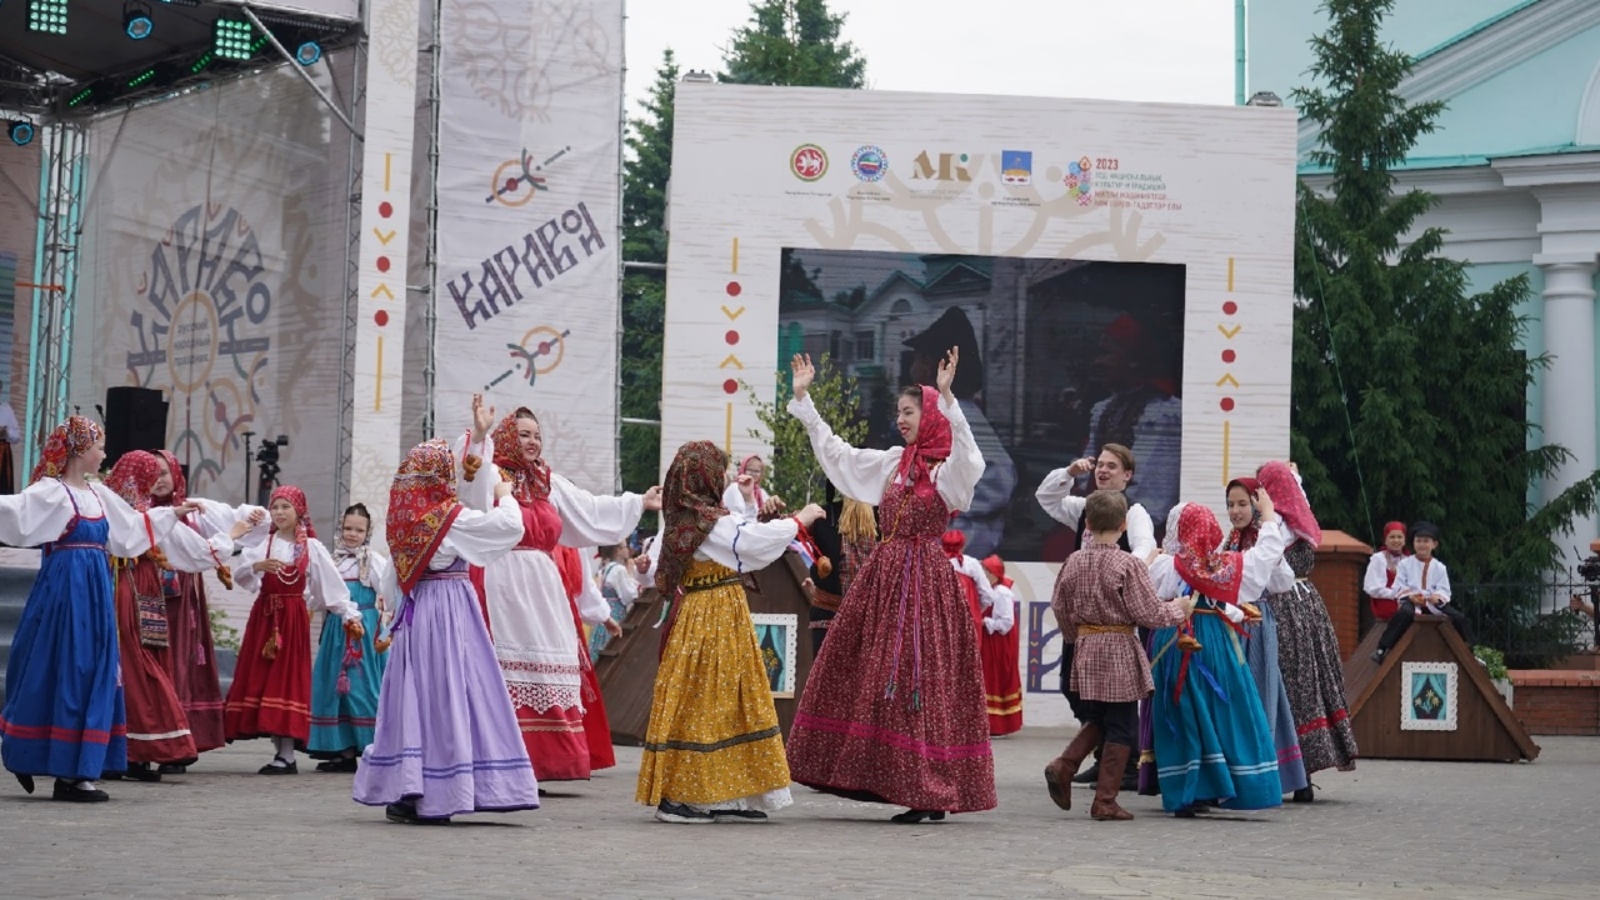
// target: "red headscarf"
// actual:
[[954, 542], [134, 477], [1242, 539], [1290, 501], [70, 439], [303, 528], [691, 504], [530, 480], [1210, 571], [997, 567], [422, 504], [932, 444], [180, 485]]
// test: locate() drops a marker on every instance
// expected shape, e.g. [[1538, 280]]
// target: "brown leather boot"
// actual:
[[1112, 760], [1058, 774]]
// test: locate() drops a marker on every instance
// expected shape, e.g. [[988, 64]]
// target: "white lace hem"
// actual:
[[771, 801], [544, 696]]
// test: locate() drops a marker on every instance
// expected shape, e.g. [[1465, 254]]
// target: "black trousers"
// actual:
[[1119, 722], [1401, 620]]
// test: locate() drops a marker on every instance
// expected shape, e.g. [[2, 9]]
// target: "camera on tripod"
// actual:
[[268, 467]]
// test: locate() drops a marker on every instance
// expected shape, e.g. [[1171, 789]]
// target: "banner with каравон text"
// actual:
[[528, 242]]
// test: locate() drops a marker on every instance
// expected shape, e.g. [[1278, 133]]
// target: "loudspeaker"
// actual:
[[136, 419]]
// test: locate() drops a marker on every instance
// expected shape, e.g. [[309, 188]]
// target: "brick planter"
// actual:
[[1341, 563], [1554, 701]]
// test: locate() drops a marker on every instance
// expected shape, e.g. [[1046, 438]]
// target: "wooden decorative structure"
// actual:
[[1341, 564], [1430, 699], [627, 667]]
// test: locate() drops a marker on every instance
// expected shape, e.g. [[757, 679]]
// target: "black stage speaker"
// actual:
[[136, 419]]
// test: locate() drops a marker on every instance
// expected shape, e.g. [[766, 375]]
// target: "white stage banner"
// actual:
[[528, 228]]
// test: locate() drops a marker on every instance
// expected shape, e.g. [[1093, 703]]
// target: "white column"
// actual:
[[1568, 416]]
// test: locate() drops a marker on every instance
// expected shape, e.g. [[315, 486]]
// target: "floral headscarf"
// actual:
[[1210, 571], [1289, 499], [422, 504], [1242, 539], [70, 439], [134, 477], [530, 480], [180, 485], [691, 504], [361, 553], [931, 446]]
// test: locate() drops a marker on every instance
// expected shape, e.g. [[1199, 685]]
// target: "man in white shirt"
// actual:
[[1113, 471]]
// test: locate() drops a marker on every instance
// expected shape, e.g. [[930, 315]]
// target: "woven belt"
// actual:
[[445, 575], [1106, 629], [694, 587]]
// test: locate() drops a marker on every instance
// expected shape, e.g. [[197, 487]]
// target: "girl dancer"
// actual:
[[744, 497], [158, 730], [1261, 643], [1308, 647], [1002, 674], [63, 714], [446, 739], [530, 616], [349, 670], [271, 692], [893, 710], [712, 748]]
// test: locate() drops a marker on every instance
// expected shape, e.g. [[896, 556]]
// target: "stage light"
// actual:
[[308, 53], [47, 16], [21, 133], [232, 39], [136, 20], [80, 96]]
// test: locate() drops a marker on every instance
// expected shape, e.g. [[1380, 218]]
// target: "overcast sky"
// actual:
[[1169, 50]]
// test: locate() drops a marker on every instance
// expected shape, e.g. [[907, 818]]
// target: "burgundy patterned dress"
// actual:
[[893, 709]]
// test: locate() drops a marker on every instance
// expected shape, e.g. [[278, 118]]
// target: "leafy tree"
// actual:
[[644, 206], [794, 473], [793, 42], [1409, 392]]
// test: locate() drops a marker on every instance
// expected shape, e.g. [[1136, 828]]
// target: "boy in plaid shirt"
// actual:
[[1101, 595]]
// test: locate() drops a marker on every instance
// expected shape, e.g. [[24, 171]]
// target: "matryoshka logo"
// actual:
[[1079, 180]]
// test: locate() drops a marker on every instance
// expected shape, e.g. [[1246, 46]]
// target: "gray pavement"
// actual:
[[1388, 830]]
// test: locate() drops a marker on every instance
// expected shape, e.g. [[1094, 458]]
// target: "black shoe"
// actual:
[[272, 768], [111, 776], [71, 793], [679, 814], [142, 772], [26, 781], [1379, 654], [916, 816], [738, 815], [173, 769], [342, 764], [1186, 812], [1090, 775], [1306, 794], [405, 813]]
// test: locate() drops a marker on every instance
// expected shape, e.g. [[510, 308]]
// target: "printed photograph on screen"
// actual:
[[1058, 359]]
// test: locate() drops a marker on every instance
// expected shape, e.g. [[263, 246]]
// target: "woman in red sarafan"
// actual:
[[1002, 675], [158, 729], [589, 607], [893, 708]]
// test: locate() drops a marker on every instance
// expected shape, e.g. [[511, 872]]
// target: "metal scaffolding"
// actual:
[[55, 277], [344, 445]]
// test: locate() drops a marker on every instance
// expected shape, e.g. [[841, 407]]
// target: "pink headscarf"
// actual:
[[932, 444], [1290, 501], [756, 486], [1210, 571]]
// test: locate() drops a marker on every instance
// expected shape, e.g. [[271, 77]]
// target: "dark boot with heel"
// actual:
[[1058, 775]]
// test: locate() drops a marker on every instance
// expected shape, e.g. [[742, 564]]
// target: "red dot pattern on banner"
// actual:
[[734, 289], [385, 209], [381, 317], [730, 386], [732, 337], [1227, 404], [1230, 308], [1229, 356], [383, 264]]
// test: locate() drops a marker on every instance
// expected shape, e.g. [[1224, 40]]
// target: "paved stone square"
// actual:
[[1388, 830]]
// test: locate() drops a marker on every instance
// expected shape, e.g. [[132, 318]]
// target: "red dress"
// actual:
[[271, 692], [158, 730], [192, 660], [1002, 680], [596, 726]]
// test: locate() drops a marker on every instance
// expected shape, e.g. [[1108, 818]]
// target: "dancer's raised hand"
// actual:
[[803, 373], [947, 373]]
